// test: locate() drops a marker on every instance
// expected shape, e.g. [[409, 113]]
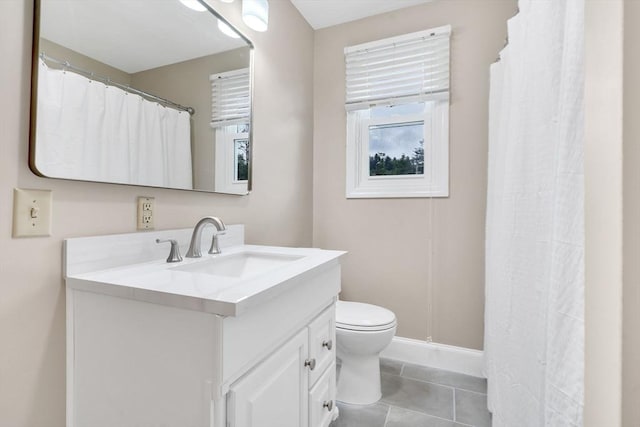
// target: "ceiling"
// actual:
[[325, 13], [135, 35]]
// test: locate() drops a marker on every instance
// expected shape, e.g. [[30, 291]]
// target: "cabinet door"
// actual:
[[322, 342], [274, 394]]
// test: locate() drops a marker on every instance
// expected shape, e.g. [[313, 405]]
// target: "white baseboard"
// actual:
[[440, 356]]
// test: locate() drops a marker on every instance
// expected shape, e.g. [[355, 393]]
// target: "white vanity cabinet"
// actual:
[[149, 345], [294, 387]]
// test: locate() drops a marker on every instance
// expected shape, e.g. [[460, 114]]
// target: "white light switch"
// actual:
[[31, 212]]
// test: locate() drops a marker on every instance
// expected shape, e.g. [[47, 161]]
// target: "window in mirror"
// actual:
[[232, 157], [230, 115], [241, 149]]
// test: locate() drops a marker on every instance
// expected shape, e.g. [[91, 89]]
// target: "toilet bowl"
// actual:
[[362, 332]]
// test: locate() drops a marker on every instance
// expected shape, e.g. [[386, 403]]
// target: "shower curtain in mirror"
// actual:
[[87, 130], [534, 314]]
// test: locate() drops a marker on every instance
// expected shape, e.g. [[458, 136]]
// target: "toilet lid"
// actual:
[[360, 316]]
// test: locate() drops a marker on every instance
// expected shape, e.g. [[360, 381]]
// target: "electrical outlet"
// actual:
[[145, 213], [31, 212]]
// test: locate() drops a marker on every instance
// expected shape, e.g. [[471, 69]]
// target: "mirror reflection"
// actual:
[[147, 92]]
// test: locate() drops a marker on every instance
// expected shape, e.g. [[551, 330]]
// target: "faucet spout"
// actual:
[[196, 238]]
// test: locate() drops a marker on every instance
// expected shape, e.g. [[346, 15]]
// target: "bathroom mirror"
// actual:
[[149, 92]]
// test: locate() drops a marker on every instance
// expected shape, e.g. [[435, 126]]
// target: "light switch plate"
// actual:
[[31, 212]]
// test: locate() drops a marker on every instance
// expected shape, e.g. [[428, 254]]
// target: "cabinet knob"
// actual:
[[328, 344], [311, 363], [328, 404]]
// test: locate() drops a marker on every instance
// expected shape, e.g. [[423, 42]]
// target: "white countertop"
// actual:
[[159, 282]]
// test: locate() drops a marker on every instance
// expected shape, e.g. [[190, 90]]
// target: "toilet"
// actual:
[[362, 332]]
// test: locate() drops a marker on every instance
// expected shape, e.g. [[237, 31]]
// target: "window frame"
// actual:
[[225, 160], [435, 180]]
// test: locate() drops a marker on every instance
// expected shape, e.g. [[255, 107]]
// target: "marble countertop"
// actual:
[[156, 281]]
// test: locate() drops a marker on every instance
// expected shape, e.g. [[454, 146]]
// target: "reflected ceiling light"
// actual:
[[194, 5], [255, 13], [227, 30], [226, 1]]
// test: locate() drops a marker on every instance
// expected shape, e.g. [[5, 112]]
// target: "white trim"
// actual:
[[440, 356]]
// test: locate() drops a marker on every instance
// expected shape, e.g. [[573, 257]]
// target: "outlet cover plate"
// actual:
[[31, 212], [146, 206]]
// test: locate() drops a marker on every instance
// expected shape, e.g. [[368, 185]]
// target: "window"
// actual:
[[397, 116], [241, 159], [232, 158], [230, 117]]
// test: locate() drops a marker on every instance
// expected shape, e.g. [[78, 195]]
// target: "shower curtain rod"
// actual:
[[109, 82]]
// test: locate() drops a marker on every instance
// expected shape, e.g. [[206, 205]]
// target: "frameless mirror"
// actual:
[[147, 92]]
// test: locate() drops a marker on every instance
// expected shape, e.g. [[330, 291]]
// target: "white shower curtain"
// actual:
[[534, 315], [90, 131]]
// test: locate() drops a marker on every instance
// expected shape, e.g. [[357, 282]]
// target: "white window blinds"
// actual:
[[230, 97], [407, 68]]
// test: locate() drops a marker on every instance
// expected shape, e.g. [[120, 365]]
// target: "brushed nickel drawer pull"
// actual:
[[328, 344], [328, 404]]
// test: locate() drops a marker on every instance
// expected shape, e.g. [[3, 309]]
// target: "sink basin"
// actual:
[[239, 265]]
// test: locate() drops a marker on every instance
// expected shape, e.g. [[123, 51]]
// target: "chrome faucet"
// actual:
[[196, 237]]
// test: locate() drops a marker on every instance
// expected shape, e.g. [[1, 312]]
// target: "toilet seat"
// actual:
[[357, 316]]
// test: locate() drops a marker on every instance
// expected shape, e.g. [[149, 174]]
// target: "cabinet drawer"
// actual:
[[322, 342], [322, 399]]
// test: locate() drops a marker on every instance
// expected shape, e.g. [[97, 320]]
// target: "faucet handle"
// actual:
[[174, 254], [215, 242]]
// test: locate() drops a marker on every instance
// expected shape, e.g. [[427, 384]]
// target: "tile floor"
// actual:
[[415, 396]]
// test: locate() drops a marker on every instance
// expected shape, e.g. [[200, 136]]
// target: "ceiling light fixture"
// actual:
[[194, 5], [255, 13], [226, 1], [227, 30]]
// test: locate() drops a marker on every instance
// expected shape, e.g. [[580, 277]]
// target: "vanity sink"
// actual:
[[235, 281], [240, 265]]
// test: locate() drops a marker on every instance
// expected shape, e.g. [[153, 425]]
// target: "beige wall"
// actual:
[[612, 214], [410, 254], [279, 211], [101, 69], [187, 83], [631, 223]]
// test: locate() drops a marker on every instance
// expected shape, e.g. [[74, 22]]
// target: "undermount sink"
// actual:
[[239, 265]]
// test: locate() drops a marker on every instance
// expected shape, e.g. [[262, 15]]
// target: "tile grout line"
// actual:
[[440, 384], [386, 418], [430, 415]]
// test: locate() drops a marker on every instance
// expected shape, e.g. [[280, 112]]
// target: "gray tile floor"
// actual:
[[415, 396]]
